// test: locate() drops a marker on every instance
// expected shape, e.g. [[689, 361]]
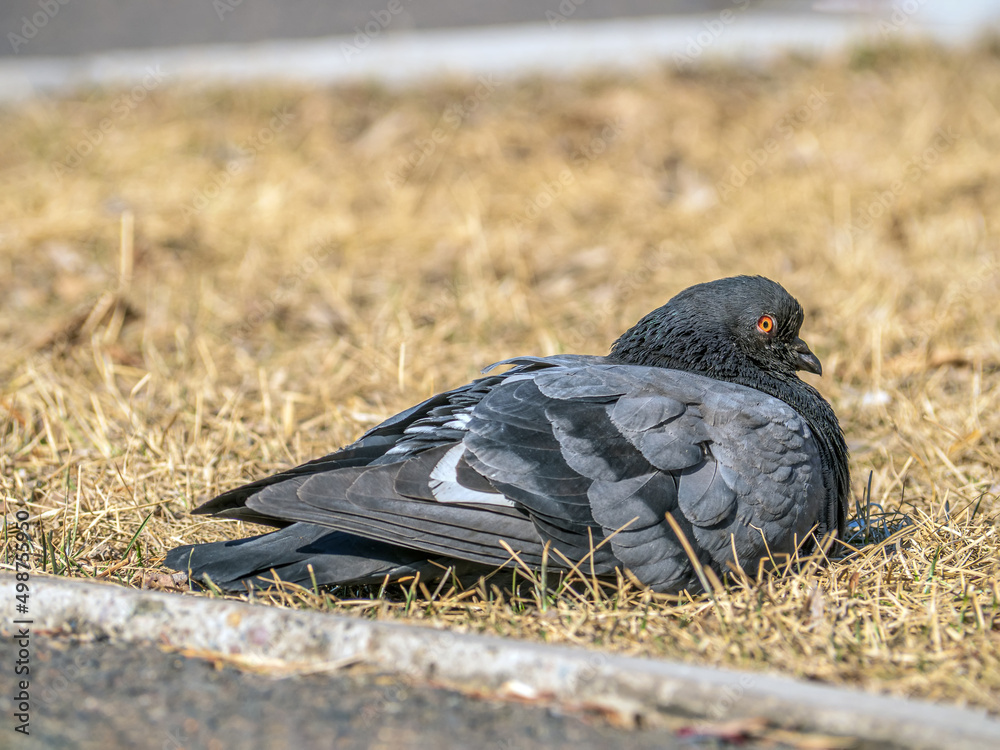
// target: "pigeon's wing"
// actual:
[[735, 468], [597, 460], [438, 499], [429, 424], [590, 458], [404, 482], [757, 489], [416, 503], [420, 489]]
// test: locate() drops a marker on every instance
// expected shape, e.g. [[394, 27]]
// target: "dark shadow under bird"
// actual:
[[697, 413]]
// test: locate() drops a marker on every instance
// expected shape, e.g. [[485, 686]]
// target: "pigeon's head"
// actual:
[[735, 329]]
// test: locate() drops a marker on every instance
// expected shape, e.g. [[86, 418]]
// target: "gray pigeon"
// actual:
[[697, 414]]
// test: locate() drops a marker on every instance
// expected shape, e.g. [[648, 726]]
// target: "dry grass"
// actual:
[[170, 330]]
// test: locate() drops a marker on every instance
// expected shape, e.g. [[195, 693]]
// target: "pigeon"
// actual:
[[692, 444]]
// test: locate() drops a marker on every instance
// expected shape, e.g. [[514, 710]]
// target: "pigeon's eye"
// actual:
[[765, 324]]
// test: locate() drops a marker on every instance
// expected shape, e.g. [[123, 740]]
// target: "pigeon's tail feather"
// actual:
[[304, 554]]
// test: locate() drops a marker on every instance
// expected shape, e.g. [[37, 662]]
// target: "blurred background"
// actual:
[[401, 40]]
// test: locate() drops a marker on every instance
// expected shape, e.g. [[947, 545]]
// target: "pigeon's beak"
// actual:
[[805, 359]]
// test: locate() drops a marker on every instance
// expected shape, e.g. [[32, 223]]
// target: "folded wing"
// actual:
[[575, 453]]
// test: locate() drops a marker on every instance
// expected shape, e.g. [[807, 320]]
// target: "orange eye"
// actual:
[[765, 324]]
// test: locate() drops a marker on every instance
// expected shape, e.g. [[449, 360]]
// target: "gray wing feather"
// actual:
[[733, 464], [580, 450], [644, 410], [364, 501], [703, 495], [305, 555]]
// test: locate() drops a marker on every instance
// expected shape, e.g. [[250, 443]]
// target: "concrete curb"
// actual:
[[564, 674]]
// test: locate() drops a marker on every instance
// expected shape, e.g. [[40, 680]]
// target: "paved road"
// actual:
[[101, 695], [48, 46], [74, 27]]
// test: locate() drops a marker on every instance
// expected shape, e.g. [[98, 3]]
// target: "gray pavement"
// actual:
[[61, 28], [101, 694], [77, 27]]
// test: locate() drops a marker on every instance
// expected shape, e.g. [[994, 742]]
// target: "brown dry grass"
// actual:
[[157, 348]]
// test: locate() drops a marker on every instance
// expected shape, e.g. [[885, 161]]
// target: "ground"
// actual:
[[202, 286], [100, 694]]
